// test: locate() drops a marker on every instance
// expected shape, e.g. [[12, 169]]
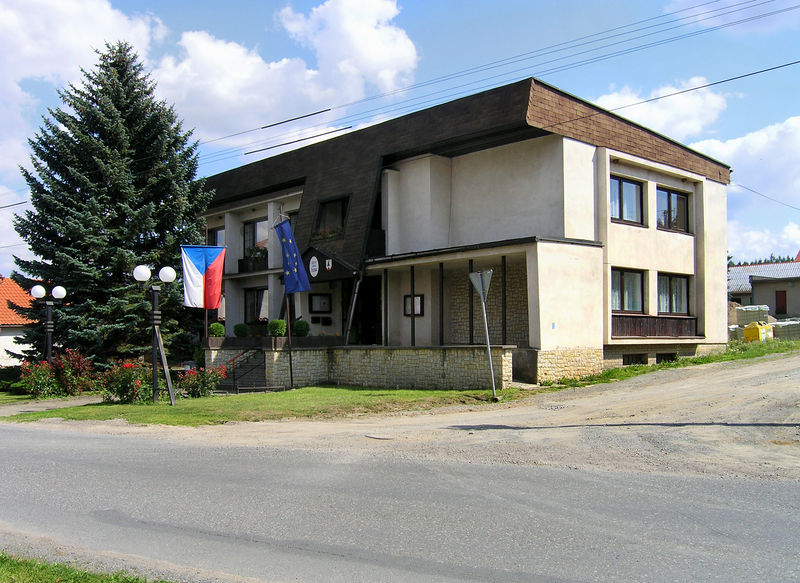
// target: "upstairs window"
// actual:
[[673, 294], [331, 217], [673, 210], [255, 237], [626, 291], [216, 237], [626, 200]]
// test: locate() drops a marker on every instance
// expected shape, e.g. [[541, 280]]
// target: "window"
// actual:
[[255, 236], [626, 291], [216, 237], [626, 200], [419, 305], [673, 294], [673, 210], [319, 303], [256, 307], [331, 217], [629, 359]]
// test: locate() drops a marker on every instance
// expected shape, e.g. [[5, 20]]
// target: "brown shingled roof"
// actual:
[[11, 292]]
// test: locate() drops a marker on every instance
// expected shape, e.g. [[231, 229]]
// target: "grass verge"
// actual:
[[316, 402], [330, 402], [7, 398], [32, 571]]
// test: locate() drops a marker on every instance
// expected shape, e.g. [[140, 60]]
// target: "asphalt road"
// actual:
[[202, 512]]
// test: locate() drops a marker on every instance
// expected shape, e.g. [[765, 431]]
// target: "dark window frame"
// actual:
[[670, 210], [250, 235], [672, 277], [622, 271], [212, 236], [620, 200], [252, 316], [336, 232]]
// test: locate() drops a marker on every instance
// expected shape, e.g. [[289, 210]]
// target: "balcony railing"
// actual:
[[641, 325], [249, 265]]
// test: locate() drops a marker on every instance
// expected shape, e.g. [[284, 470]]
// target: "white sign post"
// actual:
[[480, 281]]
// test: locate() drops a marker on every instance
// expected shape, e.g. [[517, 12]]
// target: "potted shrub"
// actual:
[[241, 330], [301, 328], [216, 330], [277, 328]]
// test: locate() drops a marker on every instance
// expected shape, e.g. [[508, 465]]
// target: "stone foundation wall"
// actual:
[[565, 363], [459, 367], [613, 355]]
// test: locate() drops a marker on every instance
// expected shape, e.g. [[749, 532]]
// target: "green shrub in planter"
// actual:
[[216, 330], [241, 330], [277, 327], [301, 328]]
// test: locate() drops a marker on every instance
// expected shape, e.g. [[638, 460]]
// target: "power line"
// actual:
[[775, 200], [464, 88]]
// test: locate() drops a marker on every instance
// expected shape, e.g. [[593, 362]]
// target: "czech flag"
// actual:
[[202, 275]]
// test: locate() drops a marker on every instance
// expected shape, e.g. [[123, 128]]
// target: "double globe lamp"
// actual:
[[57, 293], [141, 273]]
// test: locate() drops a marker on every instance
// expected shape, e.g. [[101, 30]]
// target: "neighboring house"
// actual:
[[11, 323], [776, 285], [607, 240]]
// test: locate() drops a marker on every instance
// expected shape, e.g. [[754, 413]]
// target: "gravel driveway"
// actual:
[[739, 418]]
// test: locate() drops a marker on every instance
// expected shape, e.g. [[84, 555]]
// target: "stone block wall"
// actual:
[[613, 355], [568, 363], [458, 288], [453, 367]]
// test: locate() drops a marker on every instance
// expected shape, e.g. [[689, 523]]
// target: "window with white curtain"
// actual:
[[673, 294], [626, 290]]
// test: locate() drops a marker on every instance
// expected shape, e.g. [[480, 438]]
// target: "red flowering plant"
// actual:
[[128, 382], [74, 372], [38, 380], [195, 383]]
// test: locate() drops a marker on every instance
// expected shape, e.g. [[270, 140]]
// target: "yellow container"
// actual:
[[757, 332]]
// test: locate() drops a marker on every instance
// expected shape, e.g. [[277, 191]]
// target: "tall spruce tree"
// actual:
[[113, 186]]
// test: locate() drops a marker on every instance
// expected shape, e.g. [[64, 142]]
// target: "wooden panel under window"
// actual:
[[632, 325]]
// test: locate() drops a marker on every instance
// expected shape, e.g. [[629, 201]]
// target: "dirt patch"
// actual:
[[739, 418]]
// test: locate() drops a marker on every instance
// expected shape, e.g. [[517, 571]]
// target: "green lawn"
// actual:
[[318, 402], [7, 398], [330, 402], [17, 570]]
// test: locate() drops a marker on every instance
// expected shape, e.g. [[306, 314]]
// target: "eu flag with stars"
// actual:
[[295, 278]]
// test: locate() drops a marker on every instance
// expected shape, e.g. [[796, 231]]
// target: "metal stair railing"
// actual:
[[238, 361]]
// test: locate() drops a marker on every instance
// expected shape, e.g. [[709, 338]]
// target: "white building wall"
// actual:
[[508, 192], [579, 190], [7, 336], [565, 306]]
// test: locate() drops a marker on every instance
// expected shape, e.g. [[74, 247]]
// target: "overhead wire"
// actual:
[[294, 136], [458, 90]]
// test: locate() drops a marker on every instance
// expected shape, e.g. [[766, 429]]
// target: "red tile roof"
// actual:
[[9, 290]]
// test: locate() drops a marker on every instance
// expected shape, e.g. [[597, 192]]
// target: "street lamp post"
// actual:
[[167, 275], [58, 293]]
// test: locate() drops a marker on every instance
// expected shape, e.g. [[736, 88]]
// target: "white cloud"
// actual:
[[49, 41], [355, 39], [752, 244], [222, 87], [678, 117], [764, 160]]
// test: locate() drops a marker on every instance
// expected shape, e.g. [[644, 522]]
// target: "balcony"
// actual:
[[644, 326], [251, 264]]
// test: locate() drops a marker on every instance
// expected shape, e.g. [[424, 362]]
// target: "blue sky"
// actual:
[[235, 66]]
